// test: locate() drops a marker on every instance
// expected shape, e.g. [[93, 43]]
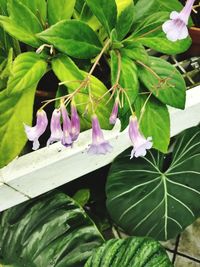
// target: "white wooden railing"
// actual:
[[38, 172]]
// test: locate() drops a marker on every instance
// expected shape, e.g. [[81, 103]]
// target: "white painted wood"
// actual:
[[10, 197], [45, 169]]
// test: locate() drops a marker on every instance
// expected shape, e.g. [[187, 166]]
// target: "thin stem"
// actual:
[[149, 69], [129, 102], [84, 82], [143, 108], [119, 66]]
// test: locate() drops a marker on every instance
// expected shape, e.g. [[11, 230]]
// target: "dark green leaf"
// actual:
[[132, 251], [146, 198], [68, 72], [16, 104], [6, 72], [74, 38], [154, 120], [48, 231], [59, 10], [164, 81], [124, 21], [135, 51], [105, 11]]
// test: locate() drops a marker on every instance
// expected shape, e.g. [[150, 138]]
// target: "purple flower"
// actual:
[[75, 122], [33, 133], [66, 139], [113, 116], [176, 27], [140, 143], [56, 131], [99, 144]]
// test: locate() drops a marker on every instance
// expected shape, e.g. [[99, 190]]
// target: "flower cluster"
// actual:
[[69, 130]]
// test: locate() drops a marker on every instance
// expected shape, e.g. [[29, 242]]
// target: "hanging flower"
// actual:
[[99, 144], [140, 143], [66, 139], [113, 116], [33, 133], [75, 122], [176, 27], [56, 131]]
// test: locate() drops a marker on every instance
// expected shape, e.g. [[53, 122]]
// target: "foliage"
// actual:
[[132, 251], [157, 195], [108, 36], [49, 231]]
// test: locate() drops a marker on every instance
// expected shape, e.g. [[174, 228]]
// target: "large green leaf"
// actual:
[[68, 72], [128, 79], [149, 33], [73, 37], [135, 51], [16, 104], [23, 27], [164, 81], [105, 11], [146, 197], [48, 231], [132, 251], [154, 120], [59, 10]]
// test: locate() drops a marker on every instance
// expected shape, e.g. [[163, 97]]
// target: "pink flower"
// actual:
[[99, 144], [66, 139], [56, 131], [140, 143], [75, 122], [113, 116], [33, 133], [176, 27]]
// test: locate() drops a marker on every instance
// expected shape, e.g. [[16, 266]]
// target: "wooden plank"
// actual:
[[45, 169]]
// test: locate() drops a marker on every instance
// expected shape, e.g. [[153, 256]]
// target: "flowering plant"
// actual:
[[97, 50]]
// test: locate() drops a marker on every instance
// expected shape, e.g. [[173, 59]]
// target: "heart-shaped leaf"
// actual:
[[16, 104], [145, 197], [132, 251], [73, 37], [164, 81]]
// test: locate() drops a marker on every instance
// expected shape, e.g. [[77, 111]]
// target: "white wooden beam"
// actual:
[[38, 172]]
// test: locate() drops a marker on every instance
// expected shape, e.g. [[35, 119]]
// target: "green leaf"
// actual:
[[16, 104], [135, 51], [88, 17], [154, 121], [132, 251], [105, 11], [5, 73], [149, 33], [124, 21], [74, 38], [164, 81], [128, 79], [82, 197], [48, 231], [68, 72], [59, 10], [146, 197], [145, 8], [38, 7], [23, 27]]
